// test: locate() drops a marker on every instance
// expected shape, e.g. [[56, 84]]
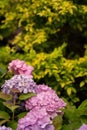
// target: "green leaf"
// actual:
[[84, 118], [3, 121], [4, 115], [67, 127], [82, 83], [57, 121], [69, 90], [12, 124], [10, 106], [3, 3], [5, 96], [21, 115], [83, 105], [71, 113], [72, 126], [2, 71], [26, 96]]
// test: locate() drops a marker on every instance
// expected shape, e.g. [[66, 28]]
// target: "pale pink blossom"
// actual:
[[43, 88], [20, 67], [5, 128]]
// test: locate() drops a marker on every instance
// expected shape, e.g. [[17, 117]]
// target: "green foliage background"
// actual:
[[52, 37]]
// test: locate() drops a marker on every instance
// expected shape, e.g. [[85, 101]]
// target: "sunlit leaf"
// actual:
[[69, 90], [4, 115], [82, 83], [10, 106]]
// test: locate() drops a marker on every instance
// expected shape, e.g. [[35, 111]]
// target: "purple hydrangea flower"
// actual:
[[36, 119], [20, 67], [5, 128], [22, 83], [83, 127], [49, 100]]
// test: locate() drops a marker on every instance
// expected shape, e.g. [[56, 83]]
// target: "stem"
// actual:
[[14, 102], [13, 116]]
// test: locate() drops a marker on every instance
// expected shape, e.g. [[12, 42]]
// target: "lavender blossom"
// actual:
[[22, 83], [5, 128], [83, 127], [36, 119]]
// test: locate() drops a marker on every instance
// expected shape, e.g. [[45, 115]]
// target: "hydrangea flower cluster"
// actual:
[[22, 83], [43, 88], [36, 119], [47, 99], [20, 67], [5, 128], [83, 127], [42, 108]]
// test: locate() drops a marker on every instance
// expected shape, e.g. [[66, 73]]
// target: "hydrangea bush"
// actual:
[[28, 105]]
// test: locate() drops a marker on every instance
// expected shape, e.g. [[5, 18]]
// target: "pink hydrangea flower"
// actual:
[[83, 127], [49, 100], [20, 67], [36, 119], [43, 88]]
